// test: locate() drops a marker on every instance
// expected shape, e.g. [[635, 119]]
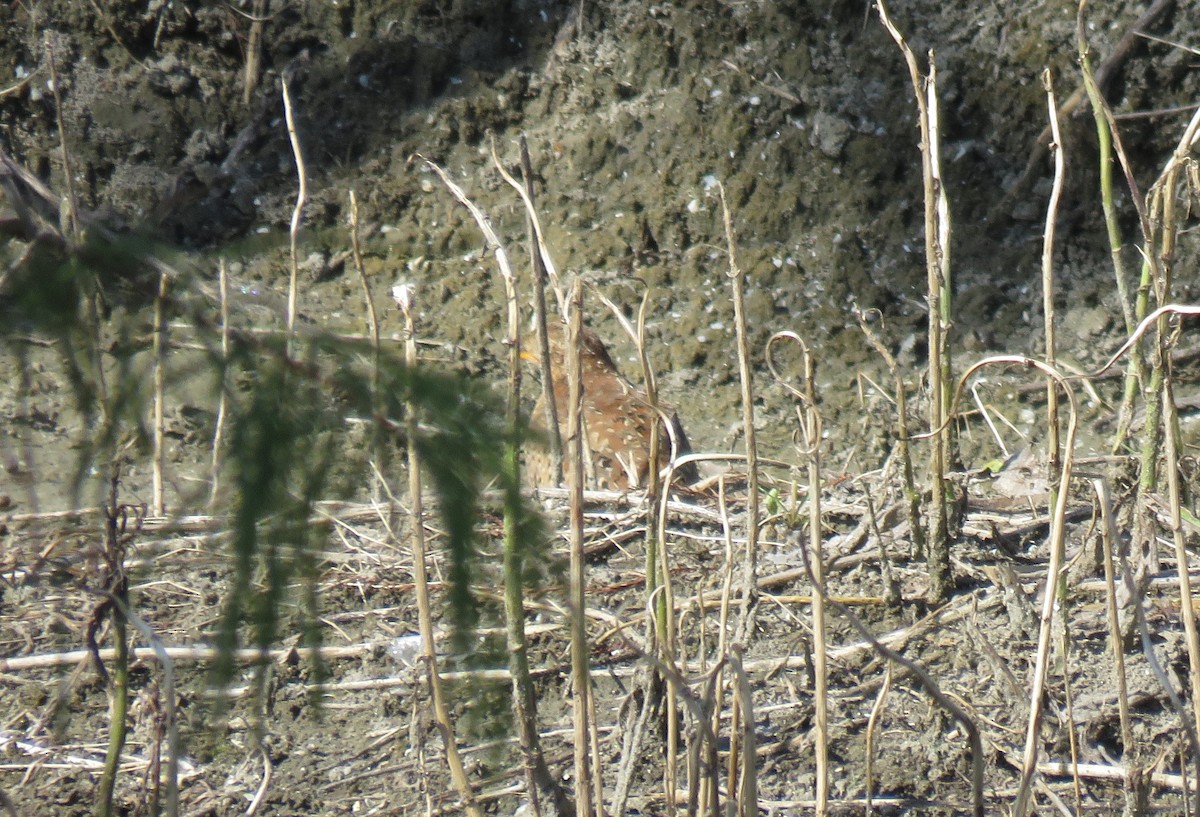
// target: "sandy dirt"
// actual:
[[634, 113]]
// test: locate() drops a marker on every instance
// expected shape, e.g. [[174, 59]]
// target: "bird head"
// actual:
[[592, 351]]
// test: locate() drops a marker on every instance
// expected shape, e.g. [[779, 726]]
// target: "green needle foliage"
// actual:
[[289, 443]]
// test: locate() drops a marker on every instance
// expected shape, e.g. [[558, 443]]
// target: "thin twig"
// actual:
[[222, 387], [1057, 546], [297, 211], [372, 328], [169, 708], [1108, 544], [737, 282], [158, 462], [72, 226], [924, 679], [938, 293], [421, 579], [1052, 442], [253, 50], [580, 677], [814, 561], [537, 254]]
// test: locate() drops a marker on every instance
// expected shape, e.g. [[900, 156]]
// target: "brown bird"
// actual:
[[617, 419]]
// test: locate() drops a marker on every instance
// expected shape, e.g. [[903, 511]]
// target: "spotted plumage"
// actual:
[[617, 419]]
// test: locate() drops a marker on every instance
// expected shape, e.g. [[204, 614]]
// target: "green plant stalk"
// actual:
[[1136, 374], [661, 627], [1132, 311], [524, 700], [538, 777], [1143, 524], [1105, 146], [662, 635], [1160, 261]]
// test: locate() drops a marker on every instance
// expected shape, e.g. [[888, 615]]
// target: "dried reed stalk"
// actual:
[[1166, 190], [1109, 538], [872, 729], [70, 227], [580, 676], [368, 297], [538, 267], [737, 281], [1187, 610], [1051, 594], [170, 722], [524, 697], [1160, 257], [812, 440], [543, 250], [222, 387], [253, 50], [441, 713], [747, 798], [1189, 735], [660, 593], [937, 266], [1051, 356], [1052, 417], [912, 493], [711, 793], [814, 562], [297, 211], [373, 330], [158, 461], [922, 677]]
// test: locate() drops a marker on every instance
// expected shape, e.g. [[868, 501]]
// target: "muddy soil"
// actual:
[[636, 115]]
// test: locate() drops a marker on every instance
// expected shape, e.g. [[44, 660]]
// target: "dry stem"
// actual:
[[158, 462], [580, 677], [421, 584], [297, 211], [737, 280], [937, 233], [222, 391]]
